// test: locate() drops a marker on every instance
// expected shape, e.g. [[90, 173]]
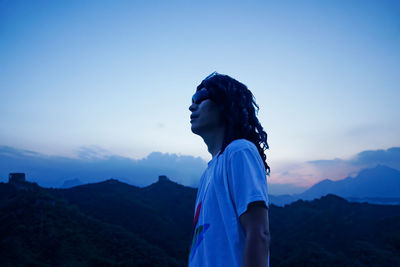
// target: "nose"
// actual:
[[192, 107]]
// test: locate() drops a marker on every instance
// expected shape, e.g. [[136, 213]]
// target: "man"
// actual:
[[231, 226]]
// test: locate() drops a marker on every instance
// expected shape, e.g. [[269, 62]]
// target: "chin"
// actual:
[[195, 130]]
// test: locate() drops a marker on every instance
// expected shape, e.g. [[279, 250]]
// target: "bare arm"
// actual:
[[256, 227]]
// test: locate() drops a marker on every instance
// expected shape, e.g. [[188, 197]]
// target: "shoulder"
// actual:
[[240, 145]]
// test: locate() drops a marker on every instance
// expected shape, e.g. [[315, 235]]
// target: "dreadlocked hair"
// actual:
[[239, 112]]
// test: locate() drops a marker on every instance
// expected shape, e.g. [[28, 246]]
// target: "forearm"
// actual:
[[256, 251]]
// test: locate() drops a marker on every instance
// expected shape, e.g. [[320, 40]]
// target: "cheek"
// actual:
[[210, 109], [216, 115]]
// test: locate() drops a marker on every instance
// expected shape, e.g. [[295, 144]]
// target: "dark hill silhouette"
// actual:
[[173, 201], [39, 229], [113, 223], [331, 231], [71, 183], [163, 207]]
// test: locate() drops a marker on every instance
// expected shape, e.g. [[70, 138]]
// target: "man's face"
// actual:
[[206, 114]]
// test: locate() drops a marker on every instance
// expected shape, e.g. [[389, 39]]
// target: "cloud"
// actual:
[[92, 152], [300, 174], [311, 172], [96, 164], [367, 158], [389, 157], [341, 168]]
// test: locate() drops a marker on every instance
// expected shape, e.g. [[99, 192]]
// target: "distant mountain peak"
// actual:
[[326, 181], [164, 184], [378, 169], [163, 178], [384, 167], [112, 181], [379, 181]]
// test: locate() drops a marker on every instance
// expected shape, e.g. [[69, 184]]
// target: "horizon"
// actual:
[[115, 80], [304, 194], [89, 167]]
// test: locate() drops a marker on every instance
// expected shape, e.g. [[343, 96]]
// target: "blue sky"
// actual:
[[119, 75]]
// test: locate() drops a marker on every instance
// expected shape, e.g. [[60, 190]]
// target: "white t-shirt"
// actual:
[[231, 181]]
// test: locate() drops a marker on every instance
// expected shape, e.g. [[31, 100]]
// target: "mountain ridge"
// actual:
[[114, 223], [380, 181], [380, 185]]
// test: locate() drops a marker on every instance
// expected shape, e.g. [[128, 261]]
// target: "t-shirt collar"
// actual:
[[214, 158]]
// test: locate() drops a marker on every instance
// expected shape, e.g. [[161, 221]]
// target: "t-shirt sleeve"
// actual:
[[247, 179]]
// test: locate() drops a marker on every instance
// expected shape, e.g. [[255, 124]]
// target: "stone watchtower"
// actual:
[[16, 178]]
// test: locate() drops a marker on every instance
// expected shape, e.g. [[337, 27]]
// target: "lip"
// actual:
[[193, 117]]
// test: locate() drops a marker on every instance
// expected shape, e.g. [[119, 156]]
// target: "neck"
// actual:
[[214, 140]]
